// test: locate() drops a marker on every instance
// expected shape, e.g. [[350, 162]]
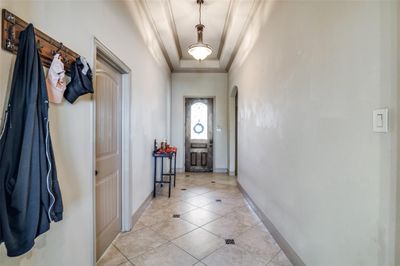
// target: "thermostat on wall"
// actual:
[[380, 120]]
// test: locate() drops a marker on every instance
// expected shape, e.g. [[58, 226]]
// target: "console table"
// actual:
[[171, 173]]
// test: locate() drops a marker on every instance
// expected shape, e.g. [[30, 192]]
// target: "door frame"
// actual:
[[233, 135], [214, 98], [236, 133], [102, 51]]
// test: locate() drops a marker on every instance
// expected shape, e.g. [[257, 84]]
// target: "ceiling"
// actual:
[[173, 23]]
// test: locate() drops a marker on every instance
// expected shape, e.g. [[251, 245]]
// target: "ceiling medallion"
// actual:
[[200, 50]]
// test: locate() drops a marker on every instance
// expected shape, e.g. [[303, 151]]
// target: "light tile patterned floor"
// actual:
[[211, 209]]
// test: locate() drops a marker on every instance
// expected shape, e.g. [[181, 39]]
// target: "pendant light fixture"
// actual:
[[200, 50]]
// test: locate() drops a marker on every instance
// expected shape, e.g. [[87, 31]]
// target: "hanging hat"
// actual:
[[55, 80], [81, 80]]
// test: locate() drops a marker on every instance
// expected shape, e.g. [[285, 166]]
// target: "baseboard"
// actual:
[[216, 170], [232, 173], [220, 170], [285, 246], [139, 212]]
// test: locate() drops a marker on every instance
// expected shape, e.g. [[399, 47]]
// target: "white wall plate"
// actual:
[[380, 118]]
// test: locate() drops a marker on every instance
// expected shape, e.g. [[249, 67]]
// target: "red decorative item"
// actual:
[[168, 149]]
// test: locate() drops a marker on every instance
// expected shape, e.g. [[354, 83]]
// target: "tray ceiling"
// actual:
[[173, 22]]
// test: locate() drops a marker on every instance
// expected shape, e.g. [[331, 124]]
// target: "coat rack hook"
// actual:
[[10, 38], [12, 26], [11, 18], [39, 46], [59, 49]]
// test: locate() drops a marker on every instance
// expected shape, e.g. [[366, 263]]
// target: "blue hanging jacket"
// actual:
[[30, 196]]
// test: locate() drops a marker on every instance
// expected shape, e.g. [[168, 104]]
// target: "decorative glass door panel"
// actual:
[[199, 121], [199, 135]]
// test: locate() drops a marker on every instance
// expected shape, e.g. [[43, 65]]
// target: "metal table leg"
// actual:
[[162, 171], [155, 176], [170, 175], [174, 169]]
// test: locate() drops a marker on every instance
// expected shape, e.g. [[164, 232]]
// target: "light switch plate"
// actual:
[[380, 120]]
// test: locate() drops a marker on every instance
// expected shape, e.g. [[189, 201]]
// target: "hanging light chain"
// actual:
[[200, 11]]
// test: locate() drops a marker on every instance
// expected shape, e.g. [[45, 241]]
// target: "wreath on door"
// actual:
[[198, 128]]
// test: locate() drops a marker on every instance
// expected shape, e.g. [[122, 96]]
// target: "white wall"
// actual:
[[309, 75], [200, 85], [76, 23]]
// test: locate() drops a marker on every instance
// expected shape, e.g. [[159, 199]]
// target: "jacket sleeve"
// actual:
[[57, 210]]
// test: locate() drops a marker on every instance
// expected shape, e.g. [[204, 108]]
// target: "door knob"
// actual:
[[96, 172]]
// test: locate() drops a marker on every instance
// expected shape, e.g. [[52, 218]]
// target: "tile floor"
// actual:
[[211, 209]]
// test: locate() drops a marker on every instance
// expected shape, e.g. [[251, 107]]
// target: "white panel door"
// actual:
[[108, 155]]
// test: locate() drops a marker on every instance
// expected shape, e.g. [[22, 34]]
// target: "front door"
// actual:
[[199, 135], [108, 155]]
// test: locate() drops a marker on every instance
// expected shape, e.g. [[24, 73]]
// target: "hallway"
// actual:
[[211, 209], [280, 117]]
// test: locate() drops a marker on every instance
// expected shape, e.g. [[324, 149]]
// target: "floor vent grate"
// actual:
[[230, 241], [187, 175], [218, 200], [212, 181], [176, 216], [183, 188]]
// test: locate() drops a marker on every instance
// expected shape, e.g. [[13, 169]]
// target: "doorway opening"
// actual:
[[111, 149], [236, 133], [199, 134]]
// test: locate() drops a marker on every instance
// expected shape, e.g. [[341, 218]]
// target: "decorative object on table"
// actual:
[[169, 152], [164, 147], [163, 144], [30, 197], [166, 150]]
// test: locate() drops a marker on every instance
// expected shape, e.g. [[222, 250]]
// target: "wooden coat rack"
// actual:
[[47, 46]]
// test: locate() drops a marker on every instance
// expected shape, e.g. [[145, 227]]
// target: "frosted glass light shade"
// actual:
[[200, 51]]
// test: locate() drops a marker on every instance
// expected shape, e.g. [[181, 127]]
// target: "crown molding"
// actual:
[[144, 6], [256, 5], [172, 24], [227, 25]]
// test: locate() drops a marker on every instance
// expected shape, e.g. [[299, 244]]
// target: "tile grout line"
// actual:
[[185, 201], [122, 254], [273, 257], [186, 252]]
